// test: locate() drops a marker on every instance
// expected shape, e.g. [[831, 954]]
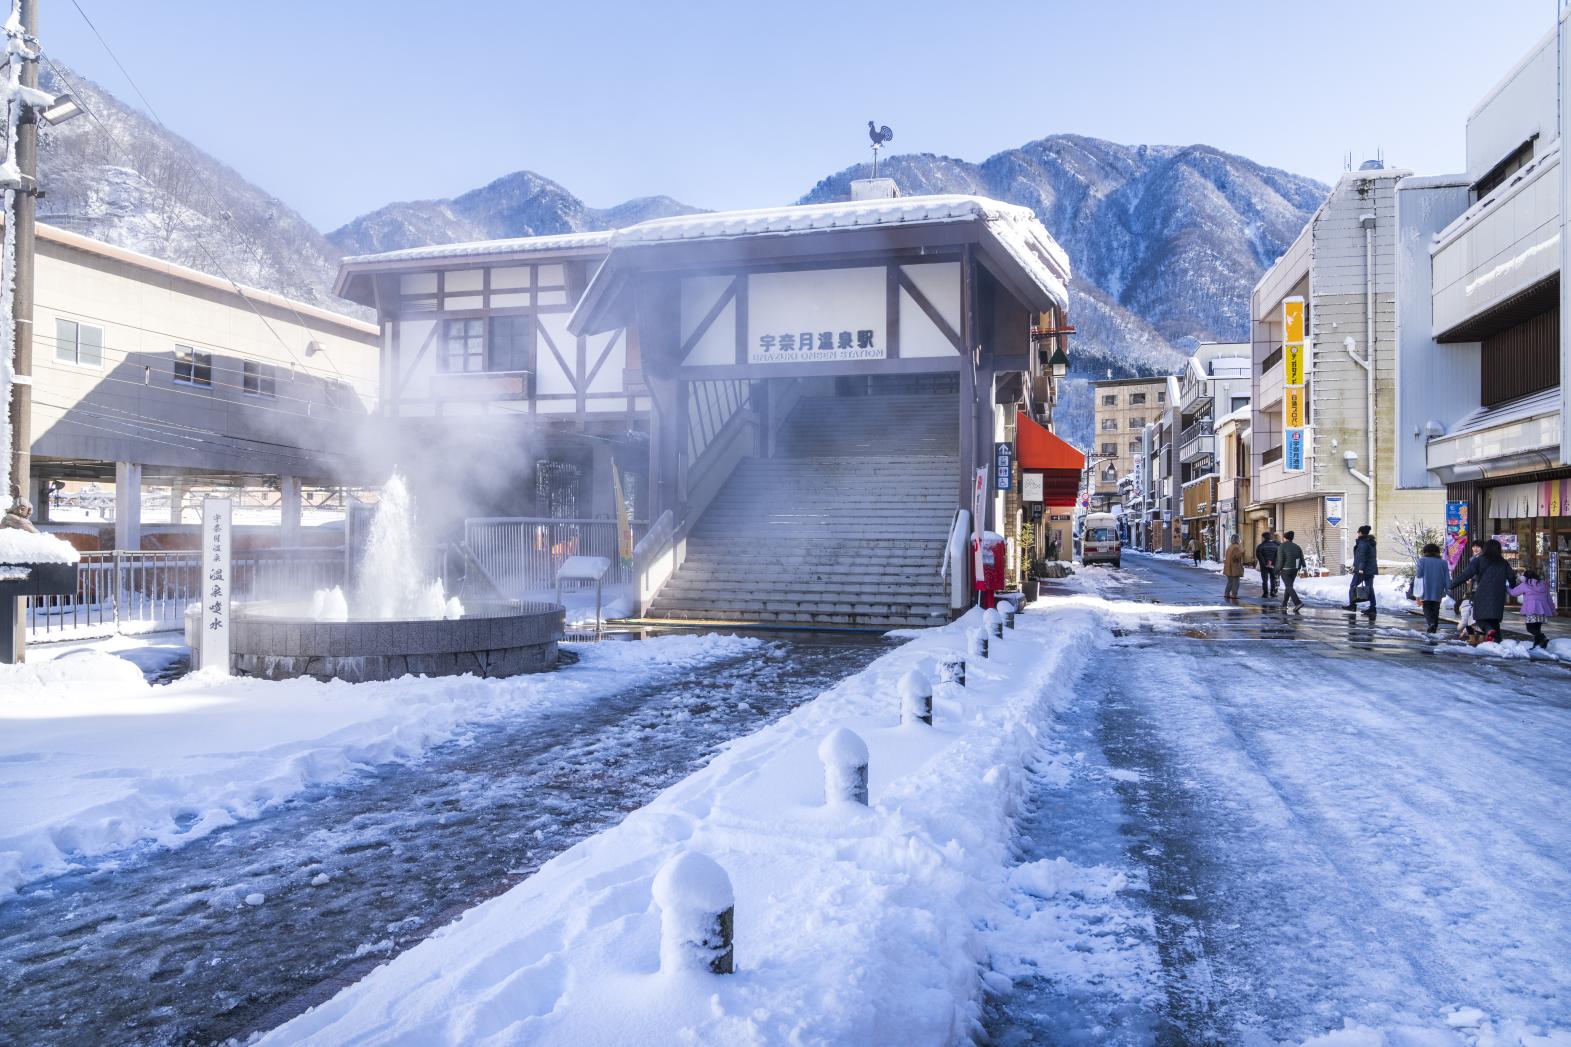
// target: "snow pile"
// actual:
[[93, 760], [1390, 591], [19, 546], [852, 924]]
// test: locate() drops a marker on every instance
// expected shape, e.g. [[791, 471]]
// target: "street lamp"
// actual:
[[63, 108], [1058, 364]]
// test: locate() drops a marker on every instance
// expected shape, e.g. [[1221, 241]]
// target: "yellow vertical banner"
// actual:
[[1293, 319], [624, 519], [1293, 407], [1293, 363]]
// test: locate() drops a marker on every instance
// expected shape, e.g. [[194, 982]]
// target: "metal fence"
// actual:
[[523, 553], [145, 591]]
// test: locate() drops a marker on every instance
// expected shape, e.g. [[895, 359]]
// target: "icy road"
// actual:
[[240, 930], [1325, 822]]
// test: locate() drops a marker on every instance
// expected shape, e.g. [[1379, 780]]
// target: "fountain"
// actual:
[[394, 622]]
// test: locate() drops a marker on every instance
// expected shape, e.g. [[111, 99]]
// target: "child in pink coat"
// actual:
[[1538, 605]]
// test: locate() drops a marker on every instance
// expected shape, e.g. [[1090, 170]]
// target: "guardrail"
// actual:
[[136, 591], [522, 554]]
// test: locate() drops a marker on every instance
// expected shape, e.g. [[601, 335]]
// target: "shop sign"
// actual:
[[1456, 532], [1031, 487], [1293, 319], [1294, 444], [217, 578], [1334, 505], [1508, 542], [1293, 363], [1003, 466], [1293, 406]]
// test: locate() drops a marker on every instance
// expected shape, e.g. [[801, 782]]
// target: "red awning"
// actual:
[[1059, 463]]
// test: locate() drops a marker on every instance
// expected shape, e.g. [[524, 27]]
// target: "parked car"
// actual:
[[1099, 541]]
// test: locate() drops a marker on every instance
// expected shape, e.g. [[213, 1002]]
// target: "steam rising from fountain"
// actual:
[[392, 585]]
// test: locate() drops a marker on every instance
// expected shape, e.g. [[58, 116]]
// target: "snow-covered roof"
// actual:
[[1015, 228], [1545, 401], [553, 244]]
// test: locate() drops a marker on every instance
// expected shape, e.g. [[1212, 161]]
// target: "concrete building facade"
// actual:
[[1124, 406], [1342, 268], [152, 375]]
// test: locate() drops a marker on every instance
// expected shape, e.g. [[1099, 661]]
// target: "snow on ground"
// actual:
[[93, 759], [853, 924]]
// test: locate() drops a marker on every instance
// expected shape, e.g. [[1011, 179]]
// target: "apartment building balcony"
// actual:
[[1271, 382], [1197, 441], [1497, 251], [1194, 395]]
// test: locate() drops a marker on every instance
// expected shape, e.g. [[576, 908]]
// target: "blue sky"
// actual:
[[339, 106]]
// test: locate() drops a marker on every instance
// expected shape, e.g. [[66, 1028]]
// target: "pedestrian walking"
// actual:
[[1365, 566], [1462, 563], [1289, 561], [1538, 606], [1265, 560], [1466, 624], [1197, 549], [1431, 581], [1233, 569], [1493, 577]]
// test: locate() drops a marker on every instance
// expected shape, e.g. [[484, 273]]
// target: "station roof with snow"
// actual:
[[1011, 243], [355, 271]]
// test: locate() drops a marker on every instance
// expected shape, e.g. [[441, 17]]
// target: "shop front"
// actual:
[[1531, 518]]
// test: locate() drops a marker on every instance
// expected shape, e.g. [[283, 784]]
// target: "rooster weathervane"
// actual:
[[879, 135]]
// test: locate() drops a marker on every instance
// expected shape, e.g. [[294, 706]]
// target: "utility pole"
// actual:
[[22, 217]]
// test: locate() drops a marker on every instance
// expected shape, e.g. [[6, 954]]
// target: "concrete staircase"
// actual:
[[845, 527]]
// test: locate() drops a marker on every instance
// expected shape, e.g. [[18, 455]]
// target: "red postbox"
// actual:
[[988, 555]]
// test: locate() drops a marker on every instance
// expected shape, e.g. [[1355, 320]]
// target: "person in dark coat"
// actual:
[[1265, 559], [1365, 566], [1492, 576], [1431, 581], [1289, 561]]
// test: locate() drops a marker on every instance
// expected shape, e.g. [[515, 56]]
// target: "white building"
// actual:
[[1342, 267], [1484, 354], [152, 375]]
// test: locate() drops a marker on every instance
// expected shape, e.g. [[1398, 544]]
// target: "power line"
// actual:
[[81, 100], [209, 435], [125, 354], [349, 379]]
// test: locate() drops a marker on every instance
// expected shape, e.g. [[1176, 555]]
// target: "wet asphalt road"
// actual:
[[1326, 820], [160, 947]]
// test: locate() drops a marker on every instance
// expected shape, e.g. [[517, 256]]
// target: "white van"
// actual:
[[1099, 540]]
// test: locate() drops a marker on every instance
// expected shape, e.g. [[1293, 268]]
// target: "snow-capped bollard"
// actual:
[[1009, 614], [916, 698], [845, 766], [994, 623], [978, 642], [952, 669], [697, 910]]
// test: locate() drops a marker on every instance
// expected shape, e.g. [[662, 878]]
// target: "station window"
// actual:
[[463, 345], [259, 379], [79, 343], [511, 344], [193, 366]]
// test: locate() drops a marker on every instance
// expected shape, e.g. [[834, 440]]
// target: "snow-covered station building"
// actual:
[[798, 399]]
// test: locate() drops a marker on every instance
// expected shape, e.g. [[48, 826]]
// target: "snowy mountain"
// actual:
[[118, 176], [520, 204], [1166, 241]]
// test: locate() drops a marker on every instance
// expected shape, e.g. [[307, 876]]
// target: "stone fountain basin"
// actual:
[[273, 642]]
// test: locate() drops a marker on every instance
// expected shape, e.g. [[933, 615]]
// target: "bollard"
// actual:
[[994, 622], [952, 669], [916, 698], [1008, 608], [978, 639], [845, 766], [697, 913]]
